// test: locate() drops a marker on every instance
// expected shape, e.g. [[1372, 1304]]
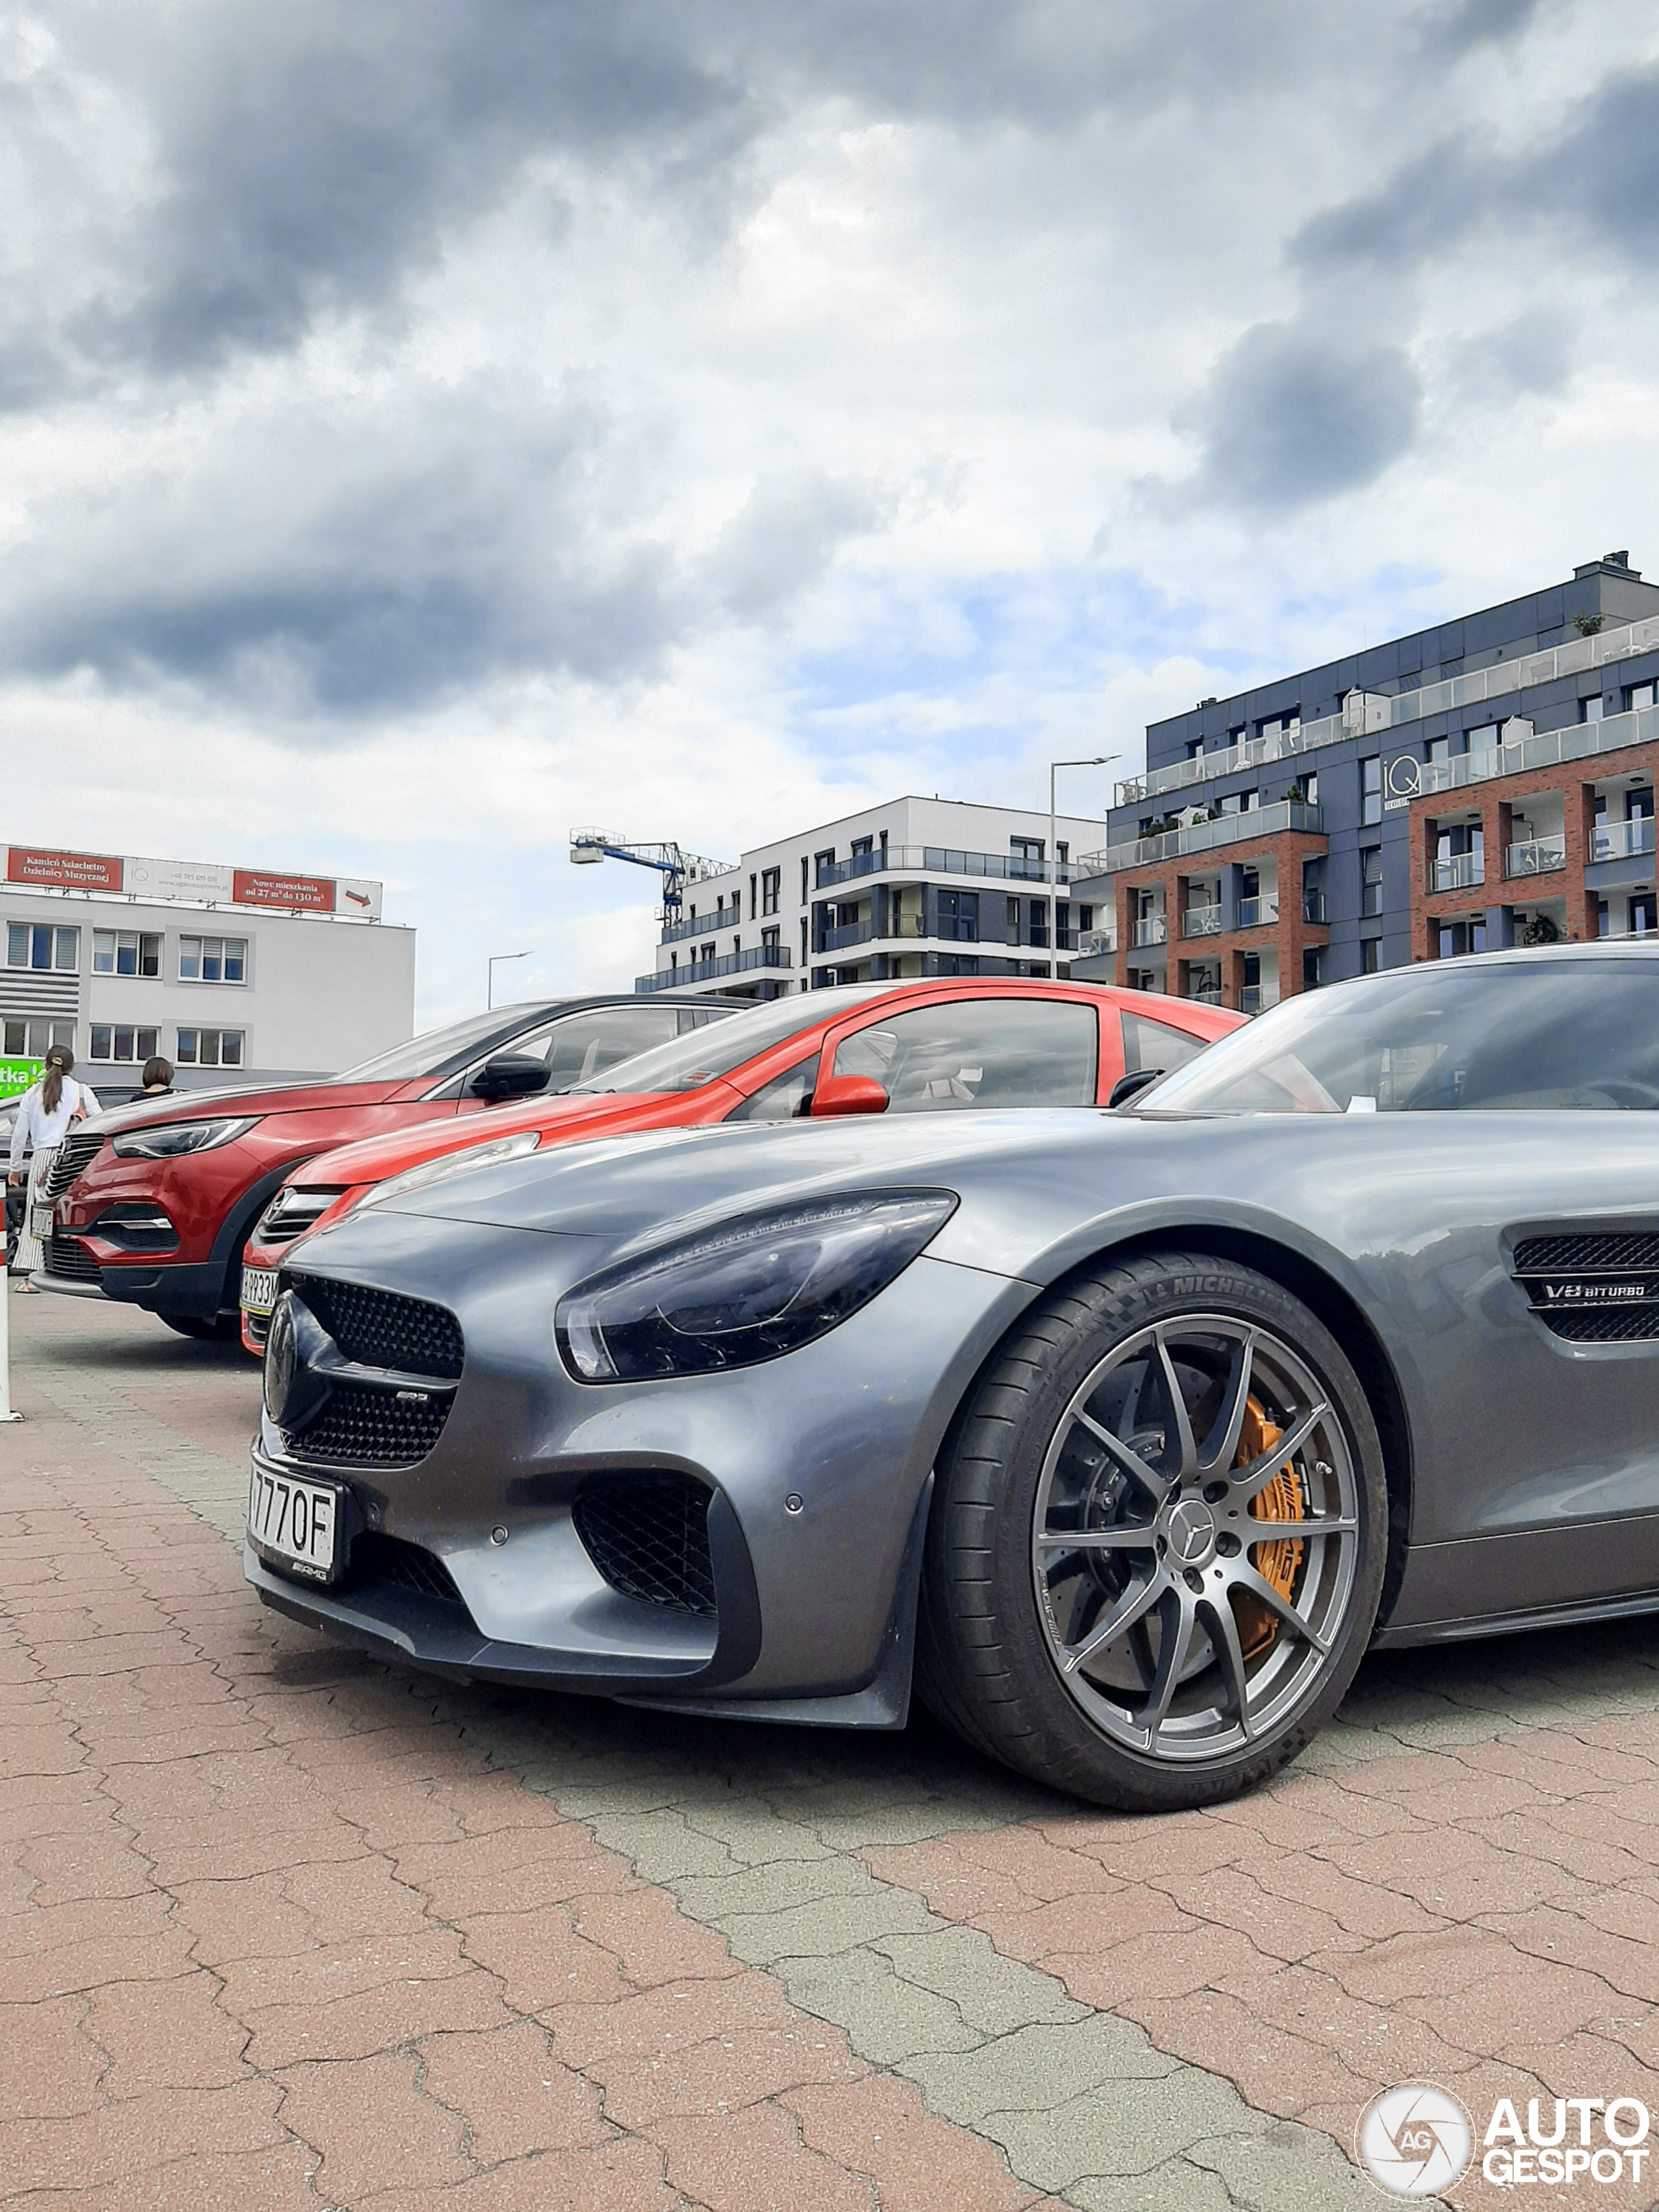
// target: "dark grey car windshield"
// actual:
[[434, 1052], [691, 1061], [1512, 1036]]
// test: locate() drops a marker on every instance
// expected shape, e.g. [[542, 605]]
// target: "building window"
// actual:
[[1310, 787], [210, 1047], [771, 888], [213, 960], [1458, 938], [1484, 739], [1370, 879], [39, 944], [1644, 917], [1370, 957], [1310, 976], [112, 1042], [1589, 710], [1280, 725], [31, 1040], [1240, 802], [1236, 737], [1438, 749], [125, 952], [1371, 788], [1642, 695]]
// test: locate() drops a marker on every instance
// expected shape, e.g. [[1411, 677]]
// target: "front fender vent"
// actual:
[[1593, 1286]]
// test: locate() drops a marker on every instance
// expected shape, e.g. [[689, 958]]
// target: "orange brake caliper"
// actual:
[[1278, 1562]]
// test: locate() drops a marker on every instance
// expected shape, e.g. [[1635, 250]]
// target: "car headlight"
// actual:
[[751, 1290], [173, 1140], [449, 1163]]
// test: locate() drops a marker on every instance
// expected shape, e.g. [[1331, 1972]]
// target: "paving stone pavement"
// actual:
[[456, 1944]]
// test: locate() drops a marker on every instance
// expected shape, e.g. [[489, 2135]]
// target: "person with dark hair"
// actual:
[[44, 1115], [157, 1080]]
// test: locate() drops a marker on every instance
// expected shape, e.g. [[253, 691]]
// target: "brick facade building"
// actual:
[[1487, 783]]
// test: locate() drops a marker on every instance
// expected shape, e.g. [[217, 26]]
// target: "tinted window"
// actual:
[[1504, 1036], [586, 1045], [690, 1061], [978, 1052], [1147, 1044], [431, 1054]]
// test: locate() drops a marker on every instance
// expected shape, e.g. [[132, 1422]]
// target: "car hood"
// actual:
[[269, 1098], [373, 1159]]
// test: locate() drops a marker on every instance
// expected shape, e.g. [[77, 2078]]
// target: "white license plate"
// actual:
[[296, 1522], [41, 1223], [258, 1290]]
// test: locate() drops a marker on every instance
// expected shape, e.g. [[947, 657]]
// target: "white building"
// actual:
[[230, 973], [915, 887]]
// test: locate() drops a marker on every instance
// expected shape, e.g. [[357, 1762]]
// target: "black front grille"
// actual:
[[388, 1559], [1617, 1325], [68, 1258], [378, 1329], [1619, 1252], [648, 1536], [74, 1155], [372, 1424]]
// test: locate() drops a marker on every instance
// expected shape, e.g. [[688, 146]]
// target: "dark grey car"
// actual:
[[1132, 1430]]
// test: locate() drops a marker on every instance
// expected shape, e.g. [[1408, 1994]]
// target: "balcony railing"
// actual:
[[1207, 836], [1537, 856], [1256, 998], [1210, 995], [1201, 921], [1502, 680], [1460, 871], [853, 932], [1253, 912], [938, 860], [1096, 943], [733, 964], [1622, 840], [700, 925], [1151, 929]]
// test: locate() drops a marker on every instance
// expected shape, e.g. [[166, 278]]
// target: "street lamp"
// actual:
[[496, 958], [1096, 760]]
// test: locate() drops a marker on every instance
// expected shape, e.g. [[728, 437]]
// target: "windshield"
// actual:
[[691, 1061], [1507, 1036], [434, 1052]]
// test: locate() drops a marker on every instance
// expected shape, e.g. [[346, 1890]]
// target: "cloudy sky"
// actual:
[[425, 426]]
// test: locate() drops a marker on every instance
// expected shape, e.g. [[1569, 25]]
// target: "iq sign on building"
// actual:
[[213, 966]]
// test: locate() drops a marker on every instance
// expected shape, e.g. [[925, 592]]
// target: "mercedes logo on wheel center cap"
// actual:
[[1190, 1530]]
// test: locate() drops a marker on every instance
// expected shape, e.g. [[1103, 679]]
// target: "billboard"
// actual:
[[204, 882]]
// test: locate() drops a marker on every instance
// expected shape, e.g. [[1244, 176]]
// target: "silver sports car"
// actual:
[[1128, 1432]]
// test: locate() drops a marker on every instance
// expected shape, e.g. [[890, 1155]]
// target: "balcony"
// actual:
[[853, 933], [1622, 840], [1459, 873], [1210, 837], [1096, 943], [938, 860], [1579, 741], [1256, 998], [1538, 856], [1255, 914], [705, 971], [1502, 680], [1151, 929], [700, 925], [1201, 921], [1209, 996]]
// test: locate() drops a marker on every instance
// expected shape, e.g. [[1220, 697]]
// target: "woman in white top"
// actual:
[[44, 1115]]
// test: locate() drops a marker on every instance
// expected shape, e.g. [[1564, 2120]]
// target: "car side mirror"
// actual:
[[1131, 1086], [509, 1075], [848, 1094]]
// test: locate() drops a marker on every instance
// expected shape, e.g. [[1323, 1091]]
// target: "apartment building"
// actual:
[[1484, 783], [914, 887], [235, 974]]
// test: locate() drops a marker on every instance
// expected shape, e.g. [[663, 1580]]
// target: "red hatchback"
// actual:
[[874, 1048], [153, 1202]]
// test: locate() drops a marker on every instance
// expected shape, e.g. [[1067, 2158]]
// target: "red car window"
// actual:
[[978, 1052]]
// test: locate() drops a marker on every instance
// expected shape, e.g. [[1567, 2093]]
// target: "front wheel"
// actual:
[[1157, 1539]]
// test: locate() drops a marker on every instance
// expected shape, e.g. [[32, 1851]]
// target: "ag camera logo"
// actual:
[[1415, 2140]]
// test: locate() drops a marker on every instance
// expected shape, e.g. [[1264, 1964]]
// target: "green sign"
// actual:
[[17, 1076]]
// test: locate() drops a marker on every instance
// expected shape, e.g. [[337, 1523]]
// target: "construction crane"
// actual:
[[676, 868]]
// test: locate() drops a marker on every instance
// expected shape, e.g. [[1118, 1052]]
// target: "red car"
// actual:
[[871, 1047], [154, 1202]]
